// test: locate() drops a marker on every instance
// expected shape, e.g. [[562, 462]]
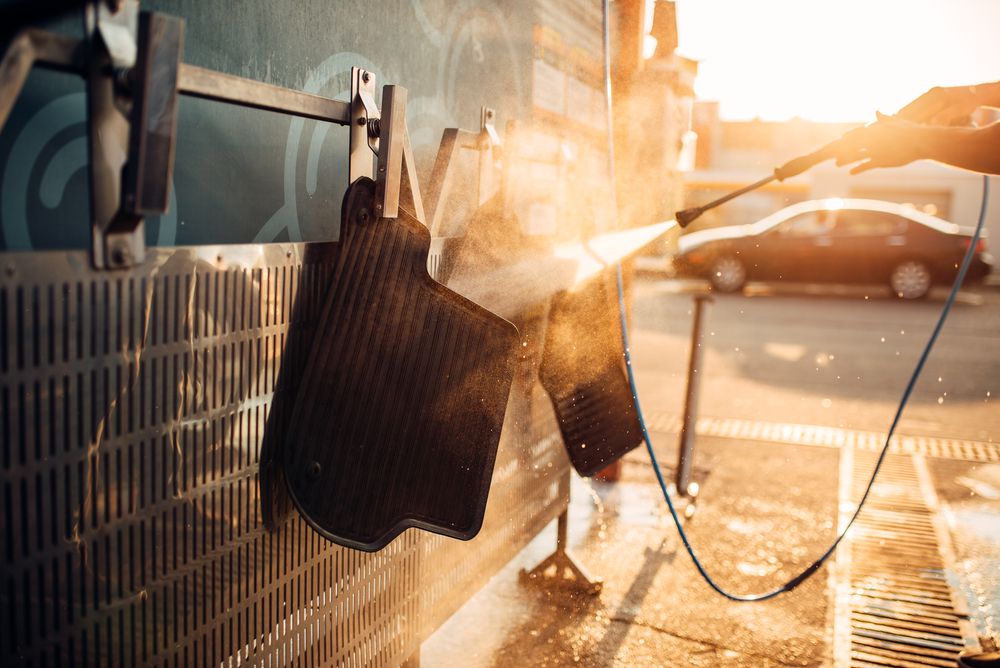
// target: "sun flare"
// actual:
[[835, 61]]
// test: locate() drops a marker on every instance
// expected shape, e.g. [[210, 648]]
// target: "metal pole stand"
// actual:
[[685, 455], [560, 569]]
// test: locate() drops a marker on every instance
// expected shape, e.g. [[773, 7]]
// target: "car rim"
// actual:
[[910, 280], [728, 274]]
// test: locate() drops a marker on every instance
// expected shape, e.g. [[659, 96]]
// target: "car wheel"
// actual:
[[728, 274], [910, 279]]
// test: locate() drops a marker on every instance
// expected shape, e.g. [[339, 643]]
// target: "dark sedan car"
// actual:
[[835, 240]]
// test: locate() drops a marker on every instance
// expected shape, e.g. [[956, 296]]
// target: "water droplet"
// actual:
[[883, 339], [940, 400]]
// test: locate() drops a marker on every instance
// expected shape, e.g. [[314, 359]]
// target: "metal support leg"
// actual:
[[560, 569], [685, 454]]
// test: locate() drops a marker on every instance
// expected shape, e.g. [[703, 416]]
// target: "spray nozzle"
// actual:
[[791, 168], [687, 216]]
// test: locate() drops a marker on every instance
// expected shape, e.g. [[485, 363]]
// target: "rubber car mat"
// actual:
[[583, 371], [397, 419]]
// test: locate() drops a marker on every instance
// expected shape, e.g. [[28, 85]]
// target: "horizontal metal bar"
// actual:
[[31, 47], [210, 85], [55, 51]]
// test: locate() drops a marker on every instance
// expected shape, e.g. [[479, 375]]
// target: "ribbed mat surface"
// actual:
[[398, 417], [583, 371]]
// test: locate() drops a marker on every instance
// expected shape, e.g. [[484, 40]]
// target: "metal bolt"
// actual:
[[364, 216], [124, 78], [119, 255], [314, 470], [366, 76], [362, 121]]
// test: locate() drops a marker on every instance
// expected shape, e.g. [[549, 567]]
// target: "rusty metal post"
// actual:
[[686, 451], [560, 569]]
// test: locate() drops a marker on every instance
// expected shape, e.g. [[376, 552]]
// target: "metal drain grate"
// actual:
[[894, 605], [832, 437]]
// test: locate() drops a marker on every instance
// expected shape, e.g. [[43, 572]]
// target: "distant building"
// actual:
[[653, 99], [731, 154]]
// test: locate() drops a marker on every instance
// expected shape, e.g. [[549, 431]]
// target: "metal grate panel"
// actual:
[[133, 410], [895, 606], [832, 437]]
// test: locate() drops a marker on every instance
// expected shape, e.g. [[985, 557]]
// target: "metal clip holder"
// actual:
[[132, 125], [486, 141]]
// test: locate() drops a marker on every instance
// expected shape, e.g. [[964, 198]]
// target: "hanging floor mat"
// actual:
[[397, 419], [583, 371]]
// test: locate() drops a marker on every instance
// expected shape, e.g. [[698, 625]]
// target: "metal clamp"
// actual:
[[397, 174], [132, 125], [487, 141], [117, 241], [365, 125], [489, 154]]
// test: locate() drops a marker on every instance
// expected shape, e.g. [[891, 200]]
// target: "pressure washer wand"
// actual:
[[791, 168]]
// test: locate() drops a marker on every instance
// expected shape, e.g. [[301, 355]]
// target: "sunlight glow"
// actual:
[[835, 60], [648, 46]]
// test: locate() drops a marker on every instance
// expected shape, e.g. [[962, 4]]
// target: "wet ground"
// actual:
[[971, 496], [654, 610], [838, 358]]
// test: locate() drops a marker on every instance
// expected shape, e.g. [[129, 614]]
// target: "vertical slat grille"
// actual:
[[132, 412]]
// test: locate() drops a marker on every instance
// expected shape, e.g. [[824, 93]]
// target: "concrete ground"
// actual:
[[654, 609], [838, 358]]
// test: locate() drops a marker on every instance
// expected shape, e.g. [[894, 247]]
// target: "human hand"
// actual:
[[941, 105], [889, 142]]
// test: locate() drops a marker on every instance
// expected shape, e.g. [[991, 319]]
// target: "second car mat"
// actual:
[[583, 371], [397, 419]]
